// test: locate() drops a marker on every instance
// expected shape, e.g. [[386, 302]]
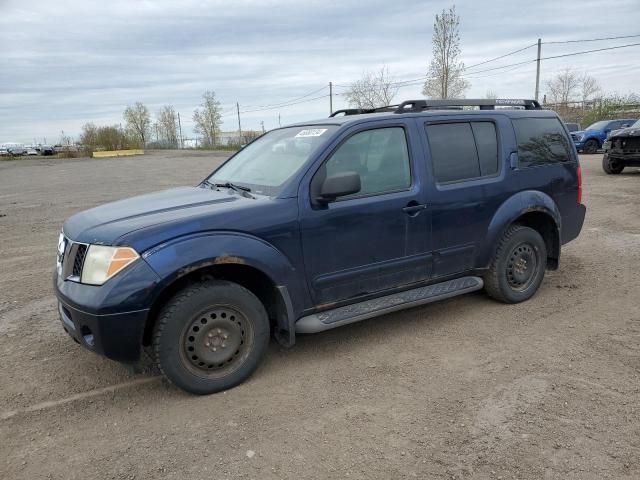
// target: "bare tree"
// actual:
[[589, 87], [374, 89], [208, 118], [138, 122], [168, 126], [491, 95], [445, 70], [564, 86]]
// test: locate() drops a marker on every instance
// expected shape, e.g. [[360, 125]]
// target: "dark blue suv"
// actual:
[[318, 225]]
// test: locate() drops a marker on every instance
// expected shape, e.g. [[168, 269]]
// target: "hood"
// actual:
[[626, 132], [109, 223]]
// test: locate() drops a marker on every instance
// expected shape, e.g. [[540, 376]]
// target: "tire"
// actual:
[[591, 146], [518, 266], [211, 336], [610, 166]]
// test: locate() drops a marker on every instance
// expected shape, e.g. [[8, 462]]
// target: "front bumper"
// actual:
[[110, 319], [115, 336]]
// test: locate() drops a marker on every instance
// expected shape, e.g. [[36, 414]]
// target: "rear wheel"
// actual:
[[211, 336], [591, 146], [611, 166], [518, 267]]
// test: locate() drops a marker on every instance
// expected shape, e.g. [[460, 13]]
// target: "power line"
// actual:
[[591, 51], [502, 56], [290, 100], [284, 105], [590, 40], [419, 80]]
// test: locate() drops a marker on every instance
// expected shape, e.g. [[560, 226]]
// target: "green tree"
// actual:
[[138, 122], [208, 119], [445, 70]]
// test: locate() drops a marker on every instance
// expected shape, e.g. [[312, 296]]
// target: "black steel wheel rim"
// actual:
[[216, 342], [522, 266]]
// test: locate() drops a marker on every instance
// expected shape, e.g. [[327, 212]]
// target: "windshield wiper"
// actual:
[[244, 191], [233, 186]]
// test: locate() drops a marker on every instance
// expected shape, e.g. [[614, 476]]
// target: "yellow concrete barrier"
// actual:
[[118, 153]]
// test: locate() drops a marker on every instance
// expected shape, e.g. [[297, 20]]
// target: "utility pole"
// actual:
[[279, 122], [538, 69], [180, 129], [262, 125], [330, 98], [239, 127]]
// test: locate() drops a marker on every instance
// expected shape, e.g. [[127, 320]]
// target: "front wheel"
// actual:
[[591, 146], [211, 336], [611, 166], [518, 266]]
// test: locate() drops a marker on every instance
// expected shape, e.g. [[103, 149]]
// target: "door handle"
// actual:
[[414, 209]]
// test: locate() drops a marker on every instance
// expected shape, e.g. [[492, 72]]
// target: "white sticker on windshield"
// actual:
[[311, 132]]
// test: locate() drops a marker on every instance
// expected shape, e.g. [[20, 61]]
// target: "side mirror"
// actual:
[[625, 125], [339, 185]]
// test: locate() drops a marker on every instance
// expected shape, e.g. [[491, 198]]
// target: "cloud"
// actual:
[[66, 63]]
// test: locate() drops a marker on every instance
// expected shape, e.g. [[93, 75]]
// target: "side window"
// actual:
[[487, 145], [463, 151], [380, 156], [541, 141]]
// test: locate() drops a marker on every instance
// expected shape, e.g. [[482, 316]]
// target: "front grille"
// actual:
[[78, 261], [73, 260]]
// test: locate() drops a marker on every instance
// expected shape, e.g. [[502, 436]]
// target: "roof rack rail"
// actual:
[[483, 103], [413, 106], [360, 111]]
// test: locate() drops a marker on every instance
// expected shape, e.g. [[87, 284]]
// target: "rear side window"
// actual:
[[463, 151], [541, 141]]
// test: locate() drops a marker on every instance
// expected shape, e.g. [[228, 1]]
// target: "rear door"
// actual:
[[466, 165], [377, 239]]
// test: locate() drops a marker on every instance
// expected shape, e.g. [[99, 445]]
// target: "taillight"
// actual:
[[579, 184]]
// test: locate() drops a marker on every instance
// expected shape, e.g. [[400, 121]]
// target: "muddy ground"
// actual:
[[466, 388]]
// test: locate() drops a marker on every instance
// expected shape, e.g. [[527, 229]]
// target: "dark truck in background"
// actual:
[[622, 149], [318, 225]]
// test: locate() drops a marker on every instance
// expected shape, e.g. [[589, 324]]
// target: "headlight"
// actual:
[[102, 263], [579, 137]]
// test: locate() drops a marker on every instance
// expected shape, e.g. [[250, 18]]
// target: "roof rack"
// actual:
[[360, 111], [413, 106]]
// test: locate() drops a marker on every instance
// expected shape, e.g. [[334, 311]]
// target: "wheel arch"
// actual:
[[533, 209], [248, 261], [274, 299]]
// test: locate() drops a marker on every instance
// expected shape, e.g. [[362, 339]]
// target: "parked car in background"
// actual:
[[47, 150], [572, 127], [318, 225], [592, 139], [31, 152], [622, 149], [16, 149], [3, 152]]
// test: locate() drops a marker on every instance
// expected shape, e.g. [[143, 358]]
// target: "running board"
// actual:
[[337, 317]]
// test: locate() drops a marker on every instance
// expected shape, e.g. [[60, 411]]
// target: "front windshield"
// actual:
[[267, 163], [598, 125]]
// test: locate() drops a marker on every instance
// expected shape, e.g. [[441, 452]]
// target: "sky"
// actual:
[[69, 62]]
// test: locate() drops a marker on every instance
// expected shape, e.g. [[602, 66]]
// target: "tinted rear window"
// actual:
[[463, 151], [453, 152], [541, 141], [487, 145]]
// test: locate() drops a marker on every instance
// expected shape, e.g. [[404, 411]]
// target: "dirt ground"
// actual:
[[466, 388]]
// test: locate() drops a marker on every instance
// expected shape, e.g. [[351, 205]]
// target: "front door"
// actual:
[[378, 238]]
